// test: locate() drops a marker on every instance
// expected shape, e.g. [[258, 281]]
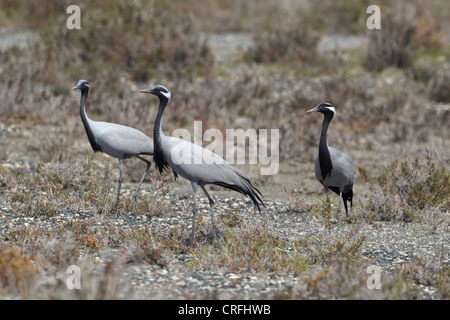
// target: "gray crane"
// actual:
[[198, 165], [333, 168], [115, 140]]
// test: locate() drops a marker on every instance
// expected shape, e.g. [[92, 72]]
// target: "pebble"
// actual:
[[387, 245]]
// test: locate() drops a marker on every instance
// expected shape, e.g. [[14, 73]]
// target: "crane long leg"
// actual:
[[351, 206], [325, 189], [211, 205], [119, 186], [345, 207], [142, 179], [341, 189], [194, 187]]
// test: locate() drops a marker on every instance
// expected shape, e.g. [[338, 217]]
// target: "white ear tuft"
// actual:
[[332, 109], [166, 94]]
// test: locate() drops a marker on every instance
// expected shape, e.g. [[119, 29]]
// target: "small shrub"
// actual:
[[325, 247], [428, 271], [250, 248], [92, 242], [294, 200], [16, 269], [324, 210], [292, 42], [231, 218], [439, 85], [406, 189], [404, 30], [145, 245], [150, 201], [343, 279], [392, 45]]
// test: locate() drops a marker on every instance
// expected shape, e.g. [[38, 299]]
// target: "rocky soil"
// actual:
[[387, 244]]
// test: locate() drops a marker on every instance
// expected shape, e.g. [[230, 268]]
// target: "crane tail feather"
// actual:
[[246, 188], [347, 195]]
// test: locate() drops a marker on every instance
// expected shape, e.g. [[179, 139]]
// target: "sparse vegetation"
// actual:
[[404, 30], [295, 43], [409, 190], [251, 249], [393, 118], [17, 272]]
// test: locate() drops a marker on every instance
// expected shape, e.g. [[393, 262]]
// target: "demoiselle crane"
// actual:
[[198, 165], [333, 168], [116, 140]]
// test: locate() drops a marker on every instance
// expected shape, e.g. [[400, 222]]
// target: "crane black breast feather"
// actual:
[[161, 162], [326, 166], [95, 146]]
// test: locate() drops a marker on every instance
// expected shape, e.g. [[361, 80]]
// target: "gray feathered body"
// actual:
[[114, 139], [203, 166], [120, 141], [342, 173]]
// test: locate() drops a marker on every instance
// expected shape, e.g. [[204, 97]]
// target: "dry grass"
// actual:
[[404, 30], [391, 103], [79, 186], [409, 191]]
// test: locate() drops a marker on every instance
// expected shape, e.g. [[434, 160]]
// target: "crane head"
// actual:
[[159, 91], [82, 84], [323, 107]]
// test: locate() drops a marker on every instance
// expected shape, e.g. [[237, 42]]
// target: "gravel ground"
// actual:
[[388, 245]]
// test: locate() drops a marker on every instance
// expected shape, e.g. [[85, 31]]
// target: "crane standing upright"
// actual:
[[202, 167], [115, 140], [333, 168]]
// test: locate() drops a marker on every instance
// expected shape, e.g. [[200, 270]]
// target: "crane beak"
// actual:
[[76, 87], [312, 110], [146, 91]]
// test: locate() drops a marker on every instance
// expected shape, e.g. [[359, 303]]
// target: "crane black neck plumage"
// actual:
[[158, 156], [84, 94], [326, 166]]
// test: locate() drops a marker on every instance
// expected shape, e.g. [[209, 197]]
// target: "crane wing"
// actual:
[[343, 169], [118, 140], [196, 163], [343, 164]]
